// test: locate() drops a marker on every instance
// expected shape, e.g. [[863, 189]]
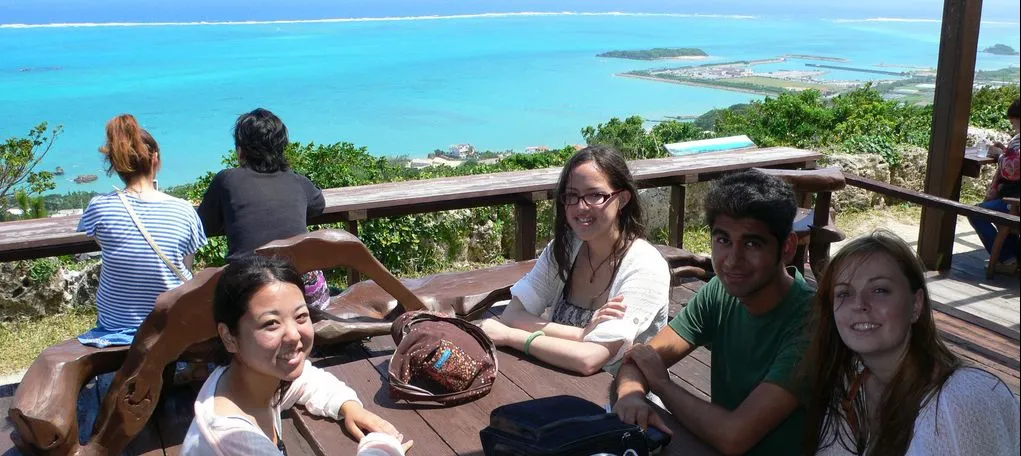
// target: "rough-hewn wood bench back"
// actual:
[[44, 405]]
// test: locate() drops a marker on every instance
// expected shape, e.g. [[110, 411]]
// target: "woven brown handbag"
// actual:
[[440, 359]]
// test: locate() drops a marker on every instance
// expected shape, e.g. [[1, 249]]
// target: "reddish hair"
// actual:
[[129, 150], [831, 366]]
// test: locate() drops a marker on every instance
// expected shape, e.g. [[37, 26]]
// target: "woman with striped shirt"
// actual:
[[133, 274]]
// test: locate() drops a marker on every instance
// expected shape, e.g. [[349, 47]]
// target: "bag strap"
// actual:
[[148, 238]]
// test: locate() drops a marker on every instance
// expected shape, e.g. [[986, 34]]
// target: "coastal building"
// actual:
[[461, 151], [536, 149]]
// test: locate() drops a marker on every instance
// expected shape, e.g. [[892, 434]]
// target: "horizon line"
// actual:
[[456, 17], [372, 19]]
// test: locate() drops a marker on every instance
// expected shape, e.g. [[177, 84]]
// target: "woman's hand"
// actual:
[[496, 330], [359, 421], [613, 310]]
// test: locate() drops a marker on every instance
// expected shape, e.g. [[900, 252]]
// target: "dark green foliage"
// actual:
[[627, 136], [859, 121], [989, 107], [707, 121], [42, 269], [799, 119], [634, 142], [673, 131]]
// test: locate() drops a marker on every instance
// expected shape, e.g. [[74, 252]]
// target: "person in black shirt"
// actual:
[[263, 199]]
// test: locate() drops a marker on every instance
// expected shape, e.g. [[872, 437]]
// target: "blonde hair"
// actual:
[[129, 150]]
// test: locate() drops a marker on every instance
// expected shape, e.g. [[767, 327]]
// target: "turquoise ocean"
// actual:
[[404, 85]]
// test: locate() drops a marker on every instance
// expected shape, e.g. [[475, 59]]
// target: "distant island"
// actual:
[[1000, 49], [657, 54], [85, 178]]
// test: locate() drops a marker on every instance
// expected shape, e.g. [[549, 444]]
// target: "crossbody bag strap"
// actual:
[[149, 239]]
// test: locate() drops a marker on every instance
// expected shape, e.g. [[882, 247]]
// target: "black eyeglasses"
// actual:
[[592, 199]]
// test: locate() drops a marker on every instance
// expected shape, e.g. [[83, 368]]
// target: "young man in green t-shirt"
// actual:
[[752, 315]]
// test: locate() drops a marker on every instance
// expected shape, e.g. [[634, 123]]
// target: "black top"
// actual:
[[254, 208]]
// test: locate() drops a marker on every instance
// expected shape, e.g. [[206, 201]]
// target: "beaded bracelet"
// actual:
[[531, 337]]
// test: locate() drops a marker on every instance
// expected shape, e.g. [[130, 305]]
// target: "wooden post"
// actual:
[[676, 220], [352, 217], [526, 218], [955, 75], [819, 249], [353, 276]]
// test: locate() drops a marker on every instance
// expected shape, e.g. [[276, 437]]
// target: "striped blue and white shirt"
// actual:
[[133, 275]]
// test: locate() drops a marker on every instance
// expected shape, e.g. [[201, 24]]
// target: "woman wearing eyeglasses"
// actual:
[[599, 286]]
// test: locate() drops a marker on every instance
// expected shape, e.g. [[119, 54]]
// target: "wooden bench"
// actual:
[[43, 409]]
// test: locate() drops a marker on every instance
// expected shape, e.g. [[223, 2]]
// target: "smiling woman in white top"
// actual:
[[884, 383], [603, 285], [263, 322]]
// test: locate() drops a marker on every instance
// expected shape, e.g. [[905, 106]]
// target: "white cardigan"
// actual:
[[320, 392], [975, 414], [643, 278]]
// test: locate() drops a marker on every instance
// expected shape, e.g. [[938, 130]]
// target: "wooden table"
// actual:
[[973, 164], [441, 431]]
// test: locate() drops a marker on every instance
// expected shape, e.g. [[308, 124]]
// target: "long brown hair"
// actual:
[[831, 367], [629, 220], [129, 150]]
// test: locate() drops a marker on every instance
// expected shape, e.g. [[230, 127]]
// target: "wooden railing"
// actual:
[[57, 236], [935, 202]]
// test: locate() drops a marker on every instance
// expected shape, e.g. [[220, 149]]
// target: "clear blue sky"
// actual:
[[49, 11]]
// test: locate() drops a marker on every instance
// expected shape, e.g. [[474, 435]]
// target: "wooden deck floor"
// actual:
[[980, 341]]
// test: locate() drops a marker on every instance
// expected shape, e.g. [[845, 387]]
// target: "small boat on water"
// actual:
[[85, 178], [59, 171]]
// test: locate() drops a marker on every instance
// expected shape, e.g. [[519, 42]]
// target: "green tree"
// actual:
[[628, 136], [673, 131], [32, 207], [799, 119], [989, 106], [18, 159]]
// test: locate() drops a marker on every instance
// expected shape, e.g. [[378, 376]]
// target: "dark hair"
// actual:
[[129, 150], [629, 220], [242, 279], [1014, 111], [262, 138], [830, 366], [755, 195]]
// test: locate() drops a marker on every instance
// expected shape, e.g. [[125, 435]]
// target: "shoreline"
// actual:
[[697, 84]]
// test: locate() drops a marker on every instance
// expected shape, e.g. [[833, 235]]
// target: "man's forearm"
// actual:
[[629, 380], [708, 421]]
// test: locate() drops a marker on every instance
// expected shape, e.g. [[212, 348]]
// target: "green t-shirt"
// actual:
[[748, 350]]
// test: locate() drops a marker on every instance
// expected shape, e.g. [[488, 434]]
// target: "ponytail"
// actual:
[[130, 150]]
